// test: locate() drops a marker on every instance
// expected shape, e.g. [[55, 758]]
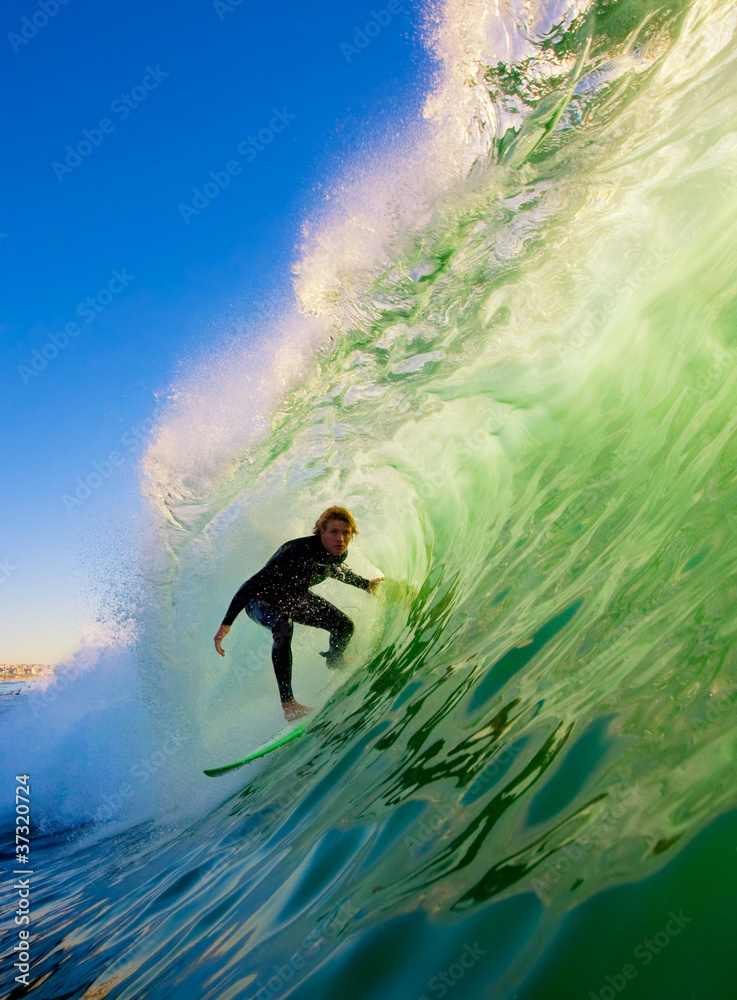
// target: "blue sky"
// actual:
[[117, 114]]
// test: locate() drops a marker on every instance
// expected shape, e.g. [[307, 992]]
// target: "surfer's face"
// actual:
[[336, 536]]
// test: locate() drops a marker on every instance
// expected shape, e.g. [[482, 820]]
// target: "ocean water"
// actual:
[[514, 360]]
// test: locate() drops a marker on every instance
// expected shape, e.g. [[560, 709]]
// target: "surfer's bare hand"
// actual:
[[374, 584], [293, 710], [221, 633]]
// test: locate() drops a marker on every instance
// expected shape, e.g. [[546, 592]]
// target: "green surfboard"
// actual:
[[293, 734]]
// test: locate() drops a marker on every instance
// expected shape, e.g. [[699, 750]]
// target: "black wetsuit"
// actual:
[[279, 595]]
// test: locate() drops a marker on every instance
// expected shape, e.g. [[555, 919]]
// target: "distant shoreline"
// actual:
[[13, 672]]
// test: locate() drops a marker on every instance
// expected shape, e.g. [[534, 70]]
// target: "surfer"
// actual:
[[279, 595]]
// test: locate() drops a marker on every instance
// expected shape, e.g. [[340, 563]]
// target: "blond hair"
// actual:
[[334, 514]]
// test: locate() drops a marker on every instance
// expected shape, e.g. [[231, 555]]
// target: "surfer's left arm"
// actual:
[[346, 575]]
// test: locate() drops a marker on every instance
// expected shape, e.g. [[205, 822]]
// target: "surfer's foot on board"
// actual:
[[293, 710], [336, 661]]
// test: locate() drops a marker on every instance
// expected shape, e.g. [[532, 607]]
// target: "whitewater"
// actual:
[[512, 356]]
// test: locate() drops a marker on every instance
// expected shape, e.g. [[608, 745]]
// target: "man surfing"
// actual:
[[279, 595]]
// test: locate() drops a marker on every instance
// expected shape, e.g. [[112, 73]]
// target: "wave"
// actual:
[[513, 359]]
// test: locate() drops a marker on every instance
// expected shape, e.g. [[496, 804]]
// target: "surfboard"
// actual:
[[293, 734]]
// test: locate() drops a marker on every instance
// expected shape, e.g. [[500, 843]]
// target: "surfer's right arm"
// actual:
[[221, 633], [241, 599], [236, 606]]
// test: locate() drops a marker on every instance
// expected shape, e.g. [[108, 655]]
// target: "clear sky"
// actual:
[[115, 271]]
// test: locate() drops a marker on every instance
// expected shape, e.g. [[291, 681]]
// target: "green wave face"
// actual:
[[528, 403]]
